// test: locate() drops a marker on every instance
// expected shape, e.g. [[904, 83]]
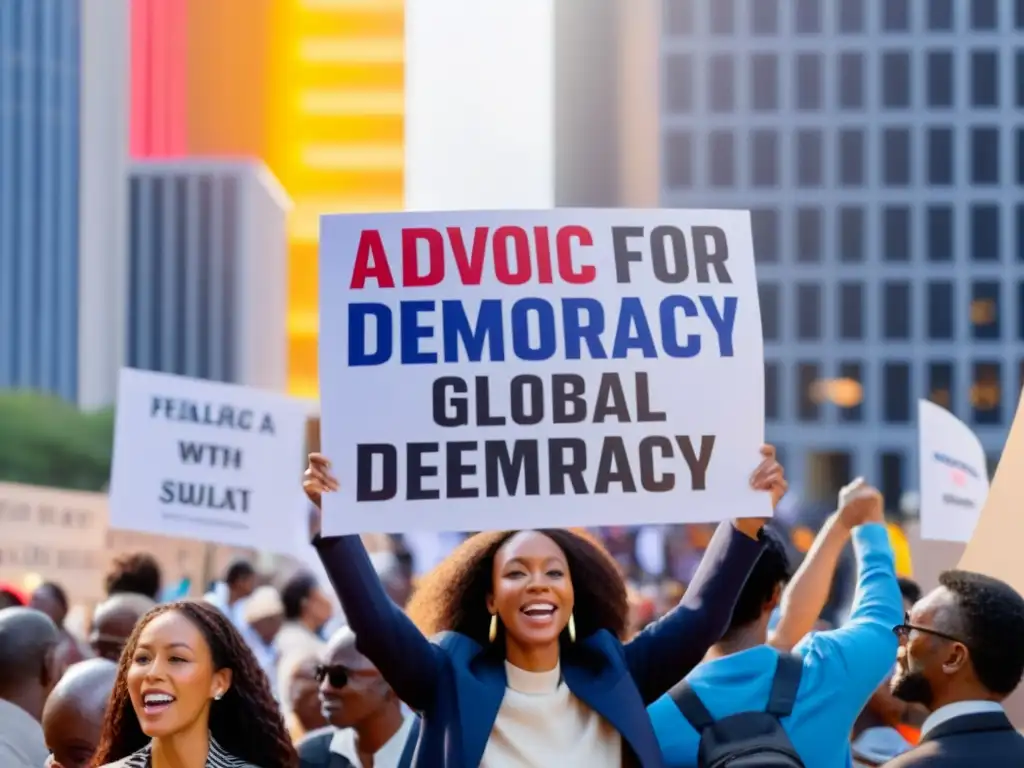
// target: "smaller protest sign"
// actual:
[[204, 460], [954, 475]]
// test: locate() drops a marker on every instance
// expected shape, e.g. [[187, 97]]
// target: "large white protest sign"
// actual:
[[954, 475], [204, 460], [539, 368]]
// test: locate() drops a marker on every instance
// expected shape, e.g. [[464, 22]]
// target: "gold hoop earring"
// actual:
[[492, 631], [572, 627]]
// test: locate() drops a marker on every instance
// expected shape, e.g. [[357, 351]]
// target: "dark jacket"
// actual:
[[984, 740], [315, 749], [458, 688]]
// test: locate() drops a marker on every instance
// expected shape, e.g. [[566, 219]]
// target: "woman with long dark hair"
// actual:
[[189, 693], [528, 664]]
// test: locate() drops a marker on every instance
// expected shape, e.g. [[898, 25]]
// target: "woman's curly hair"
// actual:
[[246, 722], [453, 597]]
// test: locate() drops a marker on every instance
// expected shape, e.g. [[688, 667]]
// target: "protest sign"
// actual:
[[47, 534], [539, 368], [954, 474], [204, 460]]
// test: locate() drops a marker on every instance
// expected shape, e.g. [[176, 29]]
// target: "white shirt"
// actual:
[[344, 744], [958, 709], [541, 723], [22, 744]]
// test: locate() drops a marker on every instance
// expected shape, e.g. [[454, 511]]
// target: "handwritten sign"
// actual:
[[205, 460], [517, 369]]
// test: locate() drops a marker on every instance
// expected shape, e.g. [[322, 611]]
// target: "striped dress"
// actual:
[[215, 758]]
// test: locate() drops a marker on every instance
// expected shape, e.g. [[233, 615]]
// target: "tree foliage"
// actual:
[[47, 441]]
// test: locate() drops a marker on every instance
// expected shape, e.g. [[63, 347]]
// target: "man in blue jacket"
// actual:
[[841, 667]]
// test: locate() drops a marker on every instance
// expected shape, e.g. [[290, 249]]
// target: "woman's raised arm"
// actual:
[[408, 661]]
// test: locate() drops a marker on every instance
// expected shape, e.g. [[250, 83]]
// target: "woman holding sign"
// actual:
[[528, 664]]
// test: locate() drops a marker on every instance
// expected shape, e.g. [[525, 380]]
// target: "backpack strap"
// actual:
[[690, 706], [785, 685], [405, 761]]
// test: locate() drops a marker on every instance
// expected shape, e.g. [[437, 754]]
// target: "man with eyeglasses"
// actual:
[[961, 654], [369, 728]]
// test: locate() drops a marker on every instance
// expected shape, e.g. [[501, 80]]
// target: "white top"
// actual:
[[21, 738], [344, 744], [541, 723], [958, 709]]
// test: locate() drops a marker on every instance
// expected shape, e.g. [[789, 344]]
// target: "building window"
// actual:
[[807, 408], [941, 159], [890, 470], [851, 157], [809, 150], [768, 299], [1018, 62], [940, 385], [679, 82], [940, 15], [1018, 17], [984, 156], [985, 232], [851, 80], [764, 17], [1020, 156], [771, 390], [851, 311], [808, 235], [896, 233], [896, 79], [1019, 215], [984, 79], [764, 158], [679, 159], [985, 316], [896, 311], [722, 17], [764, 82], [808, 311], [721, 159], [808, 17], [721, 83], [896, 389], [808, 81], [984, 15], [940, 79], [986, 392], [940, 232], [764, 223], [851, 234], [896, 15], [851, 16], [851, 409], [940, 310], [896, 157], [679, 17]]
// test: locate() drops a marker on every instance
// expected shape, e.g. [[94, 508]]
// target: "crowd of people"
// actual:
[[523, 648]]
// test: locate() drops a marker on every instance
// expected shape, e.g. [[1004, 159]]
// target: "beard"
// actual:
[[913, 688]]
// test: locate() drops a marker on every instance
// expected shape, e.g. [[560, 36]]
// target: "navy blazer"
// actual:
[[984, 739], [458, 687]]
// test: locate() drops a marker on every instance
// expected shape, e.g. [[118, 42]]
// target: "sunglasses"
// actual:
[[336, 675], [902, 631]]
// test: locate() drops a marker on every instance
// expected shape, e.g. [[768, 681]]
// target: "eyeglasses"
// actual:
[[903, 630], [336, 675]]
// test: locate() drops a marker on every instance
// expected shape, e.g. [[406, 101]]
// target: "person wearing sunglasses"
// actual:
[[368, 728], [961, 656]]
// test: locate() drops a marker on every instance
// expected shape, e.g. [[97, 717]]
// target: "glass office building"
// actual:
[[880, 146], [63, 157]]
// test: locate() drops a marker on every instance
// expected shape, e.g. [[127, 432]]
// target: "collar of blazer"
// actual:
[[972, 723]]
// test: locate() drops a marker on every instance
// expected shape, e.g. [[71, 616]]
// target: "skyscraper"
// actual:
[[880, 148], [63, 158], [207, 271]]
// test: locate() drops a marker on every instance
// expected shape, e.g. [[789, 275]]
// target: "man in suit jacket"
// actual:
[[961, 655]]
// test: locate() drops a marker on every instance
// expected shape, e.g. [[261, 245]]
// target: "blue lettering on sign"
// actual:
[[537, 329]]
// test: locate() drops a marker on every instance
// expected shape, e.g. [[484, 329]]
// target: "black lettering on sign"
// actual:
[[508, 467], [366, 456], [567, 460]]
